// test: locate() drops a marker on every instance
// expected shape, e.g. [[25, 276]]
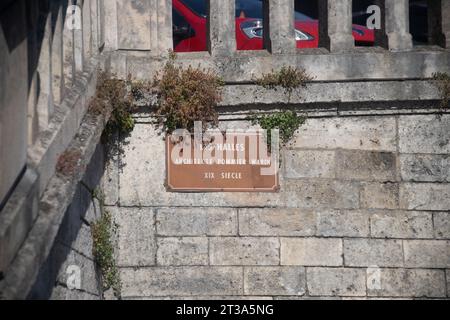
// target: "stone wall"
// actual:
[[72, 247], [363, 212], [13, 111], [366, 185], [50, 51]]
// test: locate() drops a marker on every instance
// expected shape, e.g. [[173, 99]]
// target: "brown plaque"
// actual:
[[235, 164]]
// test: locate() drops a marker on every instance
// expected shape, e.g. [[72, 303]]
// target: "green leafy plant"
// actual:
[[103, 232], [113, 96], [287, 122], [186, 96], [443, 84], [287, 78]]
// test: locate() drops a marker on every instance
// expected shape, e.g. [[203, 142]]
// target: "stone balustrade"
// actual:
[[152, 25], [50, 51], [140, 30]]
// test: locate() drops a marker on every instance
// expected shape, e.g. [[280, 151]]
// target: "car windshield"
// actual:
[[249, 8]]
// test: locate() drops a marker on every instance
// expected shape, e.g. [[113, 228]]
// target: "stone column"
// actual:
[[45, 96], [78, 40], [397, 25], [33, 57], [439, 22], [280, 38], [32, 117], [94, 23], [110, 21], [68, 48], [160, 27], [87, 32], [136, 25], [222, 27], [335, 25], [57, 55], [101, 23], [165, 41]]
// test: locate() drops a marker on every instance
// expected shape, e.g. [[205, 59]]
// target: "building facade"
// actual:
[[380, 197]]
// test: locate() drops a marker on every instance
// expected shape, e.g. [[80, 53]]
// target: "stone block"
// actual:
[[277, 222], [182, 251], [427, 253], [425, 167], [136, 237], [359, 133], [314, 193], [182, 281], [336, 282], [401, 224], [196, 222], [366, 165], [425, 196], [311, 252], [380, 195], [441, 225], [309, 164], [424, 134], [342, 223], [373, 252], [244, 251], [416, 283], [275, 281]]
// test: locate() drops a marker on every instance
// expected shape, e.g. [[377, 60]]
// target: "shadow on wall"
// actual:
[[22, 29], [37, 12], [73, 244]]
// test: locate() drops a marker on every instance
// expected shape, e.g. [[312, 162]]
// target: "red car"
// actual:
[[190, 23]]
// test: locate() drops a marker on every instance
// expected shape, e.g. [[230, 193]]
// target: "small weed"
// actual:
[[68, 162], [288, 78], [186, 96], [103, 232], [287, 122], [443, 84]]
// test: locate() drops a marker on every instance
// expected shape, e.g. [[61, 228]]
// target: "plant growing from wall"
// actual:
[[442, 81], [103, 233], [68, 162], [186, 96], [114, 96], [287, 122], [287, 78]]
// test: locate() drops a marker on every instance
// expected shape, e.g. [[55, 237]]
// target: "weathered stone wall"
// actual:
[[357, 193], [13, 111], [73, 245], [50, 53]]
